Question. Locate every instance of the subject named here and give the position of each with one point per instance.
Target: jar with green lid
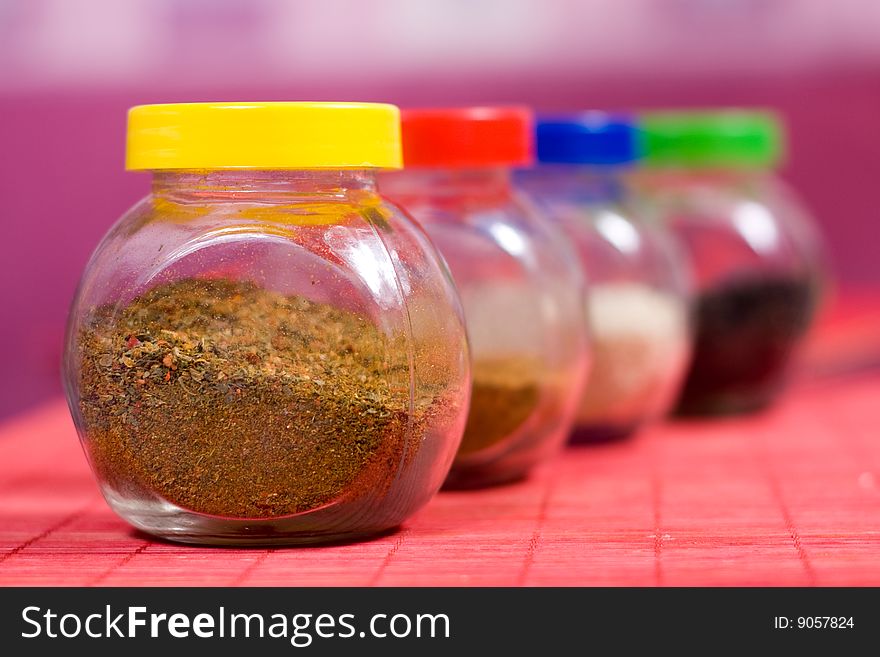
(752, 248)
(263, 350)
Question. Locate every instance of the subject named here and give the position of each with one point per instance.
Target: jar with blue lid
(636, 300)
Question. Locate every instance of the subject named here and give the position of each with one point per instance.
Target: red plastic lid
(467, 137)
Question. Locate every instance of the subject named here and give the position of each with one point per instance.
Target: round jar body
(522, 296)
(266, 357)
(637, 310)
(756, 264)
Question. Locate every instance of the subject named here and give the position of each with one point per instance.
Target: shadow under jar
(637, 310)
(754, 254)
(263, 350)
(519, 284)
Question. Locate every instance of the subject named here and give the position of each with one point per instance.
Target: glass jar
(637, 305)
(263, 350)
(520, 286)
(753, 250)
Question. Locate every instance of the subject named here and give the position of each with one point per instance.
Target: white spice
(640, 340)
(506, 318)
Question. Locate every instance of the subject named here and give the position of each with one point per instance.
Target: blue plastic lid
(595, 138)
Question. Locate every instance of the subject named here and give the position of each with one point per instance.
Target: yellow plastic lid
(263, 136)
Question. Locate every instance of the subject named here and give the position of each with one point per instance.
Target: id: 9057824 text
(813, 622)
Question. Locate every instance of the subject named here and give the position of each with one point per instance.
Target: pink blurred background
(70, 68)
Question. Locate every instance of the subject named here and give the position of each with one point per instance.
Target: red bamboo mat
(788, 497)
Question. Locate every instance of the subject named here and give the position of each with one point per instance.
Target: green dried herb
(505, 394)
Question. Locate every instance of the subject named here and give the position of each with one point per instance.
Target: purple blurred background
(70, 68)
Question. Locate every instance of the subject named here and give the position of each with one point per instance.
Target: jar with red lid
(519, 281)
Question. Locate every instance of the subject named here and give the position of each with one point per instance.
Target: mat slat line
(789, 497)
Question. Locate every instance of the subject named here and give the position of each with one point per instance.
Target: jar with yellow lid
(263, 350)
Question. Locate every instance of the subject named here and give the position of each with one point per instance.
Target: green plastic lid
(712, 139)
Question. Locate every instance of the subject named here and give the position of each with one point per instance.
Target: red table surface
(787, 497)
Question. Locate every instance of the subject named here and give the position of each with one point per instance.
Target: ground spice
(519, 416)
(640, 345)
(227, 399)
(504, 396)
(747, 330)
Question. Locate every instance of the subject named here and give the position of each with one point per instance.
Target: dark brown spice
(230, 400)
(747, 333)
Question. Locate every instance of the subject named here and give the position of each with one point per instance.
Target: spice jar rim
(711, 139)
(467, 137)
(592, 138)
(263, 135)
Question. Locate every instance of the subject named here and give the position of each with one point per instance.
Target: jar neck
(715, 176)
(582, 183)
(264, 186)
(447, 183)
